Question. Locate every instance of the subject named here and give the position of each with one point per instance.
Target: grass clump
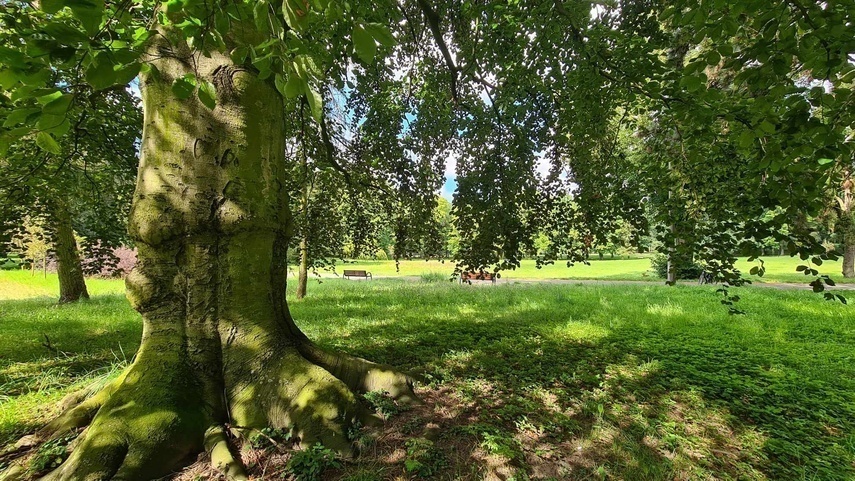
(433, 277)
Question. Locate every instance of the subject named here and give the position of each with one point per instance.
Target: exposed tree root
(150, 419)
(362, 376)
(222, 459)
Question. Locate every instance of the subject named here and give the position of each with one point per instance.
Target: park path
(606, 282)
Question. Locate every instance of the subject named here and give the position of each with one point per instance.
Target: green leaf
(64, 33)
(279, 81)
(825, 161)
(8, 78)
(54, 124)
(46, 142)
(101, 74)
(692, 83)
(58, 106)
(296, 14)
(316, 104)
(767, 127)
(364, 44)
(713, 58)
(746, 139)
(183, 87)
(261, 15)
(51, 6)
(174, 7)
(208, 94)
(127, 73)
(19, 116)
(295, 86)
(48, 98)
(90, 13)
(239, 55)
(381, 33)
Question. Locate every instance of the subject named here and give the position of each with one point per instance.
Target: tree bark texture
(849, 259)
(303, 275)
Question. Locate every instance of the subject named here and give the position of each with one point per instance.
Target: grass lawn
(532, 381)
(778, 269)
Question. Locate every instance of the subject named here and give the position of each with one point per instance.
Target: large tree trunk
(72, 285)
(219, 351)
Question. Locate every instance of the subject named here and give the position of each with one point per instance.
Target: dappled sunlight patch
(564, 382)
(581, 331)
(667, 309)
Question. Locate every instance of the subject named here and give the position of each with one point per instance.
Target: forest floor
(633, 382)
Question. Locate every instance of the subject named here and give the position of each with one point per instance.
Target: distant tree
(84, 187)
(30, 241)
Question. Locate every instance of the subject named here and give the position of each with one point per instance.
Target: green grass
(562, 381)
(778, 270)
(25, 285)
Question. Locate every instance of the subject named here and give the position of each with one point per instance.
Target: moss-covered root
(222, 458)
(78, 410)
(301, 397)
(364, 376)
(152, 421)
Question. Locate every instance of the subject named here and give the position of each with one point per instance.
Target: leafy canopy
(557, 115)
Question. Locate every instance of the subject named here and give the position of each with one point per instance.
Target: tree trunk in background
(846, 200)
(72, 285)
(303, 279)
(303, 276)
(220, 350)
(849, 259)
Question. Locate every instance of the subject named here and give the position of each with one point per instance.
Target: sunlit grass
(563, 381)
(778, 270)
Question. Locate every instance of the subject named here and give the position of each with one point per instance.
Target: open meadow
(638, 382)
(779, 269)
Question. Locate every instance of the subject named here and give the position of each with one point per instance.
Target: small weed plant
(269, 438)
(51, 454)
(308, 465)
(382, 403)
(423, 458)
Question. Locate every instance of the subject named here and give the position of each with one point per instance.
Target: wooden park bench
(357, 274)
(468, 277)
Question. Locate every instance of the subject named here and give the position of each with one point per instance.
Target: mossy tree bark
(220, 352)
(72, 285)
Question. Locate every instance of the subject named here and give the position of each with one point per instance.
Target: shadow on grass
(562, 382)
(47, 348)
(641, 383)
